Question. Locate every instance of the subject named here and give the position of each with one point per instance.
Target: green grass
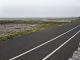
(43, 26)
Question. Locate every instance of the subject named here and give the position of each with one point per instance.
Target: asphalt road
(51, 44)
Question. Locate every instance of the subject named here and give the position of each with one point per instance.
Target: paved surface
(76, 54)
(51, 44)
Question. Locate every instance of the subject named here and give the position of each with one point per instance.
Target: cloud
(29, 8)
(40, 2)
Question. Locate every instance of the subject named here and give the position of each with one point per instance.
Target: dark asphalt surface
(14, 47)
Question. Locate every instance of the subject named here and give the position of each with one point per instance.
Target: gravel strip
(76, 54)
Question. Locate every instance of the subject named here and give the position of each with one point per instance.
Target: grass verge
(42, 26)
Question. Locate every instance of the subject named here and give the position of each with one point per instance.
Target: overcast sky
(39, 8)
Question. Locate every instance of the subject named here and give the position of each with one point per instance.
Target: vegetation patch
(32, 27)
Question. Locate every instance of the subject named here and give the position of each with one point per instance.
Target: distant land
(41, 18)
(44, 19)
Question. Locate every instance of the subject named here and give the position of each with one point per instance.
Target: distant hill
(42, 19)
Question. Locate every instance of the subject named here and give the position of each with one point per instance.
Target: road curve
(39, 45)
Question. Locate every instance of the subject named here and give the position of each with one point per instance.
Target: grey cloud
(62, 8)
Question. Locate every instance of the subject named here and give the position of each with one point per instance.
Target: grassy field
(13, 29)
